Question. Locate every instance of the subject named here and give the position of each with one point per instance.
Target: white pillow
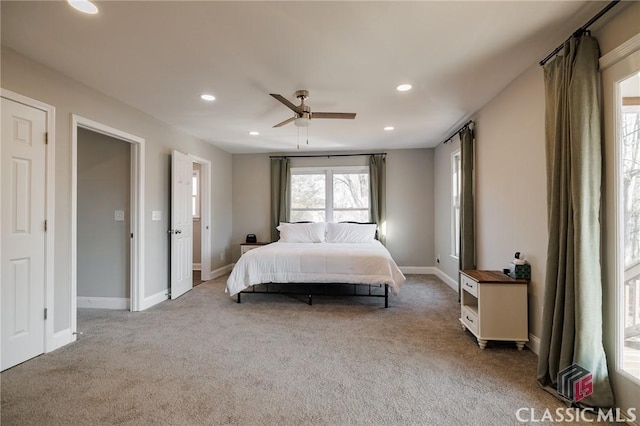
(301, 232)
(351, 232)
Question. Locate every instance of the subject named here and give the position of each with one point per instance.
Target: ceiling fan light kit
(303, 121)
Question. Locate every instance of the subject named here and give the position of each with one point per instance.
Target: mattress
(363, 263)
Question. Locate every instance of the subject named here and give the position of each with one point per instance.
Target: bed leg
(310, 299)
(386, 295)
(238, 297)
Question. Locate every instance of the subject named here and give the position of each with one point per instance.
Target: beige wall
(410, 205)
(511, 207)
(511, 202)
(21, 75)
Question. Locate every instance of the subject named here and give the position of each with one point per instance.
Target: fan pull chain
(307, 135)
(298, 137)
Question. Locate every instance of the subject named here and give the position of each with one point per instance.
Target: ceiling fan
(303, 114)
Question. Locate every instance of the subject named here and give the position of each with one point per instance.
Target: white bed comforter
(366, 263)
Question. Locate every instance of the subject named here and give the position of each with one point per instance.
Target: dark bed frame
(310, 290)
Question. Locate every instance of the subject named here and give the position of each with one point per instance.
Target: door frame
(136, 215)
(205, 216)
(624, 385)
(51, 340)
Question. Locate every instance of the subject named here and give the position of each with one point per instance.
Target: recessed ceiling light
(84, 6)
(403, 87)
(389, 128)
(207, 97)
(252, 133)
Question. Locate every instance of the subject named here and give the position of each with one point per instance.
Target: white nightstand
(245, 247)
(493, 306)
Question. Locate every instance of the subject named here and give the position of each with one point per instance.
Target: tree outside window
(330, 194)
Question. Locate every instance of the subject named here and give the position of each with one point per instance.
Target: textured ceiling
(160, 56)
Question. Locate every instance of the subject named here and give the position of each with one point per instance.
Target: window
(195, 195)
(629, 208)
(456, 183)
(333, 194)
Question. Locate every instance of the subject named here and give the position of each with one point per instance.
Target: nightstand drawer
(469, 285)
(470, 319)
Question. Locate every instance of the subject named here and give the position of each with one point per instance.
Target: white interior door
(23, 155)
(621, 89)
(181, 224)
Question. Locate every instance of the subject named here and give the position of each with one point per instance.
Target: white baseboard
(103, 302)
(150, 301)
(417, 270)
(430, 270)
(221, 271)
(197, 267)
(60, 339)
(534, 344)
(447, 279)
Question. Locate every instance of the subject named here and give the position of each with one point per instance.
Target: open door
(181, 224)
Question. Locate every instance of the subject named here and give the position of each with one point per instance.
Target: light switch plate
(156, 215)
(119, 215)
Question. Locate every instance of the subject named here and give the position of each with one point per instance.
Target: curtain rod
(580, 31)
(467, 124)
(326, 155)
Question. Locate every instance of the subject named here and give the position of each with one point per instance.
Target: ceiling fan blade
(287, 121)
(286, 102)
(344, 115)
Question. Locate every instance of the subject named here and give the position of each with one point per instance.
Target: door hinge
(132, 235)
(46, 138)
(45, 226)
(45, 313)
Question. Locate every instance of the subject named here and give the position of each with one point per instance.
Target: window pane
(194, 207)
(455, 200)
(194, 180)
(308, 191)
(313, 216)
(350, 190)
(631, 183)
(351, 215)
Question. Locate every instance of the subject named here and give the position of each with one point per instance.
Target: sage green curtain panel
(378, 192)
(572, 312)
(467, 255)
(280, 193)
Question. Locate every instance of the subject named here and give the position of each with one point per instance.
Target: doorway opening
(201, 211)
(134, 216)
(103, 221)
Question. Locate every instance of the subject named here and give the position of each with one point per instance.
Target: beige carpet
(203, 359)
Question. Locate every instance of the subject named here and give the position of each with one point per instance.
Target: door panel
(23, 157)
(181, 224)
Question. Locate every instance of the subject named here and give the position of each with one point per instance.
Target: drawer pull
(469, 319)
(468, 285)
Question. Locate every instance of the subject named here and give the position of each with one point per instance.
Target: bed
(314, 259)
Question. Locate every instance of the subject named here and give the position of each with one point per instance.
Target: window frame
(328, 172)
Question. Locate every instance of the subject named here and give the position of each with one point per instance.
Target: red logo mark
(583, 387)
